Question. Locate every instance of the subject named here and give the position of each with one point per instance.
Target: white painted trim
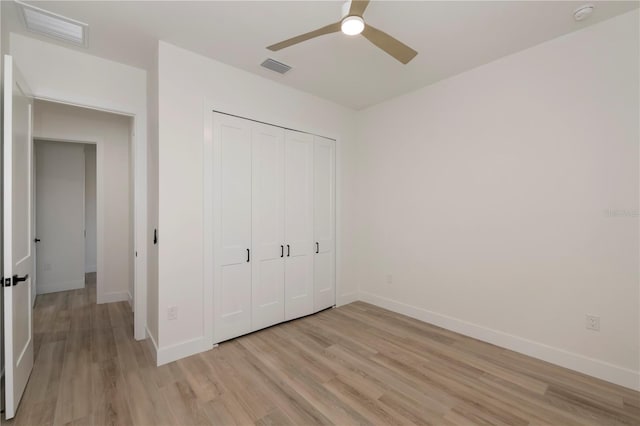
(182, 350)
(63, 286)
(573, 361)
(249, 112)
(345, 299)
(153, 345)
(130, 300)
(139, 142)
(208, 314)
(115, 296)
(34, 209)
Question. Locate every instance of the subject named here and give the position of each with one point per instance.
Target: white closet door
(298, 224)
(324, 214)
(232, 226)
(268, 225)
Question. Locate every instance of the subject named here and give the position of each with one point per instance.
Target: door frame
(249, 112)
(138, 149)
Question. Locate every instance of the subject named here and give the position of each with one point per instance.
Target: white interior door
(268, 225)
(298, 224)
(324, 214)
(232, 227)
(60, 219)
(18, 238)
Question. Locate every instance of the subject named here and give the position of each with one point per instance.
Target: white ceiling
(451, 37)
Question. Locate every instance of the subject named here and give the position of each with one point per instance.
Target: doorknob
(281, 251)
(288, 250)
(37, 240)
(317, 247)
(17, 280)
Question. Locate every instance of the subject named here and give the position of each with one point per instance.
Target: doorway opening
(84, 203)
(65, 215)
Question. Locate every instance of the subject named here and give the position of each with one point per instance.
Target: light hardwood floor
(357, 364)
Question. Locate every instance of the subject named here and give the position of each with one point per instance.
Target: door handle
(317, 247)
(17, 280)
(248, 255)
(288, 250)
(281, 251)
(37, 240)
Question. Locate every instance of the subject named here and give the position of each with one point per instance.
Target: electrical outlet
(172, 313)
(389, 279)
(593, 323)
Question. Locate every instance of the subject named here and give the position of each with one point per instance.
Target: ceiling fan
(352, 23)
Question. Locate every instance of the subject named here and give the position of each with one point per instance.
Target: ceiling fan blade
(331, 28)
(393, 47)
(358, 7)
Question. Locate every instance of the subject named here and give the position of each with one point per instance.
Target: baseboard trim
(152, 344)
(182, 350)
(116, 296)
(130, 300)
(347, 298)
(2, 391)
(56, 287)
(592, 367)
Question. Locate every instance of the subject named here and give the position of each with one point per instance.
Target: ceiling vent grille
(273, 65)
(51, 24)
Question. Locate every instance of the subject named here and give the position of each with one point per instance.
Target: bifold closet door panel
(324, 213)
(298, 166)
(232, 227)
(268, 225)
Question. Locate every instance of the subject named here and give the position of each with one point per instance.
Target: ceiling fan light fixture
(352, 25)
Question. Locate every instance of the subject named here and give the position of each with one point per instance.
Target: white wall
(187, 83)
(60, 210)
(111, 133)
(488, 198)
(66, 75)
(90, 208)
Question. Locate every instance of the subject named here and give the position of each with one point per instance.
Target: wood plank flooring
(357, 364)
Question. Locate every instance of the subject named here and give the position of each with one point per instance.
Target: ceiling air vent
(273, 65)
(51, 24)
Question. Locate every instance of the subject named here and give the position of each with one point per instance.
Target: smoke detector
(583, 12)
